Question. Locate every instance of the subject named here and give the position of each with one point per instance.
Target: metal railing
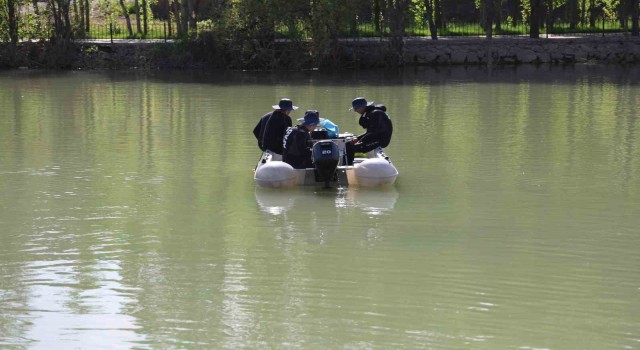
(165, 31)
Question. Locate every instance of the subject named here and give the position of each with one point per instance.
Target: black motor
(325, 157)
(319, 135)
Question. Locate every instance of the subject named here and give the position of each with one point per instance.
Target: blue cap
(311, 118)
(360, 102)
(285, 105)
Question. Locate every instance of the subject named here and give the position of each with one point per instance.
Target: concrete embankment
(612, 49)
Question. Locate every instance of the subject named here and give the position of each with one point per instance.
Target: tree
(396, 10)
(127, 19)
(635, 31)
(429, 15)
(13, 20)
(327, 19)
(593, 13)
(377, 14)
(626, 9)
(87, 15)
(175, 13)
(145, 17)
(514, 12)
(487, 10)
(573, 13)
(549, 7)
(497, 14)
(136, 5)
(535, 18)
(438, 15)
(61, 19)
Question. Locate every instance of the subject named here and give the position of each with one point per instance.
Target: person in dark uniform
(377, 123)
(297, 142)
(271, 128)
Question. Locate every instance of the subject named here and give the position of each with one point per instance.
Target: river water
(129, 217)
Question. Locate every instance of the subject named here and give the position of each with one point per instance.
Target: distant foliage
(257, 23)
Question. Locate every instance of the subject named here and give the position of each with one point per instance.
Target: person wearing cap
(271, 128)
(297, 141)
(331, 129)
(377, 123)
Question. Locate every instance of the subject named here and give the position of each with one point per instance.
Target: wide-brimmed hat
(311, 117)
(360, 102)
(285, 105)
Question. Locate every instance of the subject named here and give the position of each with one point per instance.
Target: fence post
(603, 25)
(164, 26)
(111, 32)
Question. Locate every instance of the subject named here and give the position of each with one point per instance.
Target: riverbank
(205, 54)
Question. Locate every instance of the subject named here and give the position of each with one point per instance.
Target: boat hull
(371, 170)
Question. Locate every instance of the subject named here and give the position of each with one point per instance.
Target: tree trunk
(185, 16)
(54, 14)
(376, 16)
(432, 25)
(487, 18)
(635, 31)
(395, 12)
(536, 11)
(549, 19)
(572, 13)
(138, 25)
(592, 14)
(60, 13)
(126, 17)
(176, 16)
(87, 16)
(497, 15)
(13, 21)
(438, 16)
(76, 14)
(515, 13)
(67, 18)
(145, 18)
(191, 15)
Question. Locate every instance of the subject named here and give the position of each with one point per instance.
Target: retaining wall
(613, 49)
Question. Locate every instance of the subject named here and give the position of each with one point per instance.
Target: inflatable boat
(330, 167)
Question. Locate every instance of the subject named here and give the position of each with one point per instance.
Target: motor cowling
(325, 156)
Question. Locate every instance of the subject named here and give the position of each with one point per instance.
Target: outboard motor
(325, 155)
(319, 135)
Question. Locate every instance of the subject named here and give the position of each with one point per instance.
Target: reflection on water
(129, 217)
(376, 201)
(319, 216)
(370, 201)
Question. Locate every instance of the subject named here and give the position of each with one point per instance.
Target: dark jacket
(378, 125)
(297, 147)
(270, 130)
